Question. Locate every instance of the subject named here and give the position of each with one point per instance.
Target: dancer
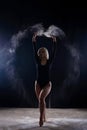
(43, 84)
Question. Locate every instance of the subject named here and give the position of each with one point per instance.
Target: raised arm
(34, 46)
(53, 49)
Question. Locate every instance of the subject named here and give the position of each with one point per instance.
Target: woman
(42, 84)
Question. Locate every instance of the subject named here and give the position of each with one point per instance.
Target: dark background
(69, 16)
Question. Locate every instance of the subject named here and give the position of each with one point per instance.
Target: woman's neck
(43, 61)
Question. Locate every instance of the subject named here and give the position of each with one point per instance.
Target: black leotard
(43, 70)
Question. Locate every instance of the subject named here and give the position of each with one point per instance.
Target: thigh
(46, 90)
(37, 89)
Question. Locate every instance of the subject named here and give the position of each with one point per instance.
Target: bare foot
(41, 123)
(44, 119)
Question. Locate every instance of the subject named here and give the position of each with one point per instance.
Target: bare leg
(37, 90)
(44, 113)
(43, 94)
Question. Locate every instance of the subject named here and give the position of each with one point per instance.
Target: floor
(57, 119)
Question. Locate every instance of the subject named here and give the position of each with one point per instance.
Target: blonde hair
(45, 49)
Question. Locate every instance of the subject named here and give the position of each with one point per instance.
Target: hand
(54, 38)
(34, 37)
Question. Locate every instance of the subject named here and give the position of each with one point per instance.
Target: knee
(41, 99)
